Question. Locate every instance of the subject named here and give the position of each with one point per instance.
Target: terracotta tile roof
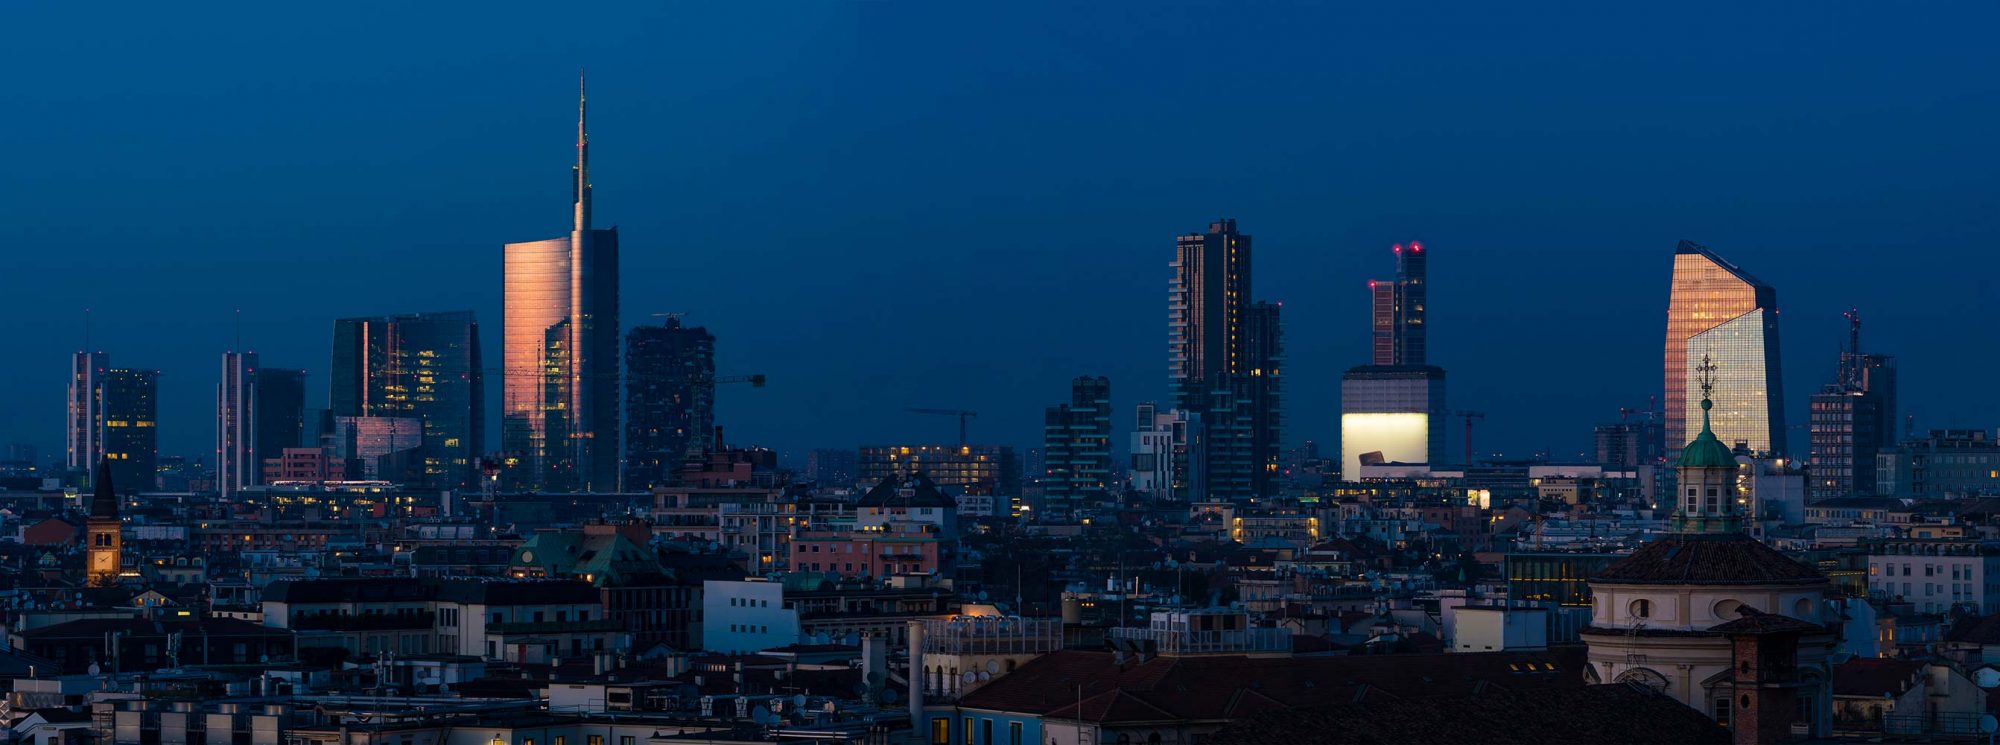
(1592, 714)
(1219, 688)
(1875, 677)
(1981, 630)
(1708, 559)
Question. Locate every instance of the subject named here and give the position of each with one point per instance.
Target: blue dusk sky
(884, 204)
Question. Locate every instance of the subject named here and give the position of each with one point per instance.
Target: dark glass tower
(130, 404)
(422, 366)
(669, 399)
(1076, 439)
(1399, 309)
(559, 416)
(258, 413)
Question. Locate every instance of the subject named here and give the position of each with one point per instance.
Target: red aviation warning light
(1416, 248)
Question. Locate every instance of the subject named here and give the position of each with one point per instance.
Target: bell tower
(104, 531)
(1707, 476)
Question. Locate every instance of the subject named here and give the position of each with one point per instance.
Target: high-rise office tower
(1224, 359)
(421, 366)
(85, 440)
(669, 399)
(1264, 337)
(258, 413)
(1076, 446)
(1718, 311)
(559, 416)
(1392, 411)
(130, 406)
(1399, 309)
(236, 464)
(1852, 420)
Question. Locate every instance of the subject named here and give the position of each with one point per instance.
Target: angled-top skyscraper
(559, 414)
(1717, 310)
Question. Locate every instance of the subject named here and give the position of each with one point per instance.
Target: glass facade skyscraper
(130, 402)
(1398, 309)
(1709, 294)
(1749, 402)
(559, 415)
(669, 400)
(421, 366)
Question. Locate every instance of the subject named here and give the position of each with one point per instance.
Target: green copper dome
(1706, 451)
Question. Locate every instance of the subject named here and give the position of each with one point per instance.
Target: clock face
(527, 556)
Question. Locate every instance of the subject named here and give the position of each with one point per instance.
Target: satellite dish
(993, 666)
(985, 676)
(967, 677)
(1988, 724)
(798, 701)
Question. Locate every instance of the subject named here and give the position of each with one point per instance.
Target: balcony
(366, 622)
(555, 627)
(1174, 643)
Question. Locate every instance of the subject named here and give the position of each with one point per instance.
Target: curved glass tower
(559, 415)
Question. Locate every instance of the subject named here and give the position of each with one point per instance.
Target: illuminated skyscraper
(559, 416)
(421, 366)
(1719, 311)
(669, 400)
(1392, 411)
(1224, 362)
(1399, 308)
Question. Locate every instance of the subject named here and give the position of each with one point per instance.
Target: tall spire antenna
(582, 200)
(239, 329)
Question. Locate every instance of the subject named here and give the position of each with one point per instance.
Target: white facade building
(742, 617)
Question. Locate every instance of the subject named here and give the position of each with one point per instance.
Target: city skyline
(1613, 260)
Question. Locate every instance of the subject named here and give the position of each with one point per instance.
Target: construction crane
(1469, 416)
(961, 414)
